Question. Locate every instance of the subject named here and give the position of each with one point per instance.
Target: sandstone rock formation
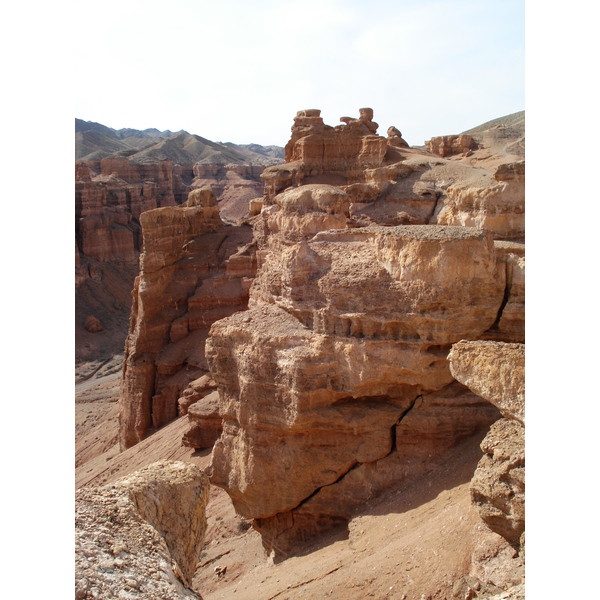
(496, 372)
(498, 207)
(119, 175)
(345, 332)
(395, 138)
(93, 325)
(335, 383)
(205, 423)
(196, 390)
(447, 145)
(498, 485)
(319, 153)
(194, 270)
(142, 535)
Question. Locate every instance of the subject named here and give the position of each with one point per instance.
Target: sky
(238, 71)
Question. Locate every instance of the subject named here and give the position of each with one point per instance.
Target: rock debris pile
(141, 537)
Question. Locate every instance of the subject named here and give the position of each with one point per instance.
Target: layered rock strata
(111, 194)
(448, 145)
(141, 535)
(205, 423)
(389, 183)
(319, 153)
(496, 372)
(194, 270)
(498, 206)
(345, 337)
(335, 383)
(108, 206)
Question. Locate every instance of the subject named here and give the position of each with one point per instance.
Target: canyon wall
(326, 320)
(194, 270)
(110, 195)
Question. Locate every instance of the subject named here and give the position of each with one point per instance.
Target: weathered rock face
(108, 206)
(335, 383)
(344, 333)
(196, 390)
(144, 533)
(429, 427)
(447, 145)
(496, 371)
(319, 153)
(194, 271)
(205, 422)
(510, 324)
(498, 207)
(110, 196)
(417, 282)
(498, 485)
(395, 138)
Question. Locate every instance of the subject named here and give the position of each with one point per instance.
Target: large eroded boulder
(495, 371)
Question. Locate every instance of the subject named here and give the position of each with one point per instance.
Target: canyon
(342, 353)
(118, 176)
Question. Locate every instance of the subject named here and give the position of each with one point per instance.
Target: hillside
(94, 141)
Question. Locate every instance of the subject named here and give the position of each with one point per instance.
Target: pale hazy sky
(238, 70)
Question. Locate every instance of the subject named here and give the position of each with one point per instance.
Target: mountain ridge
(94, 141)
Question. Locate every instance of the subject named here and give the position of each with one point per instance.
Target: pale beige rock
(498, 485)
(203, 196)
(306, 210)
(495, 371)
(447, 145)
(511, 327)
(144, 533)
(417, 284)
(499, 207)
(496, 562)
(255, 206)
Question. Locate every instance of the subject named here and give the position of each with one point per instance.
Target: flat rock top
(495, 371)
(416, 232)
(265, 320)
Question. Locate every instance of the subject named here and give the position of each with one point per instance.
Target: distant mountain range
(94, 141)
